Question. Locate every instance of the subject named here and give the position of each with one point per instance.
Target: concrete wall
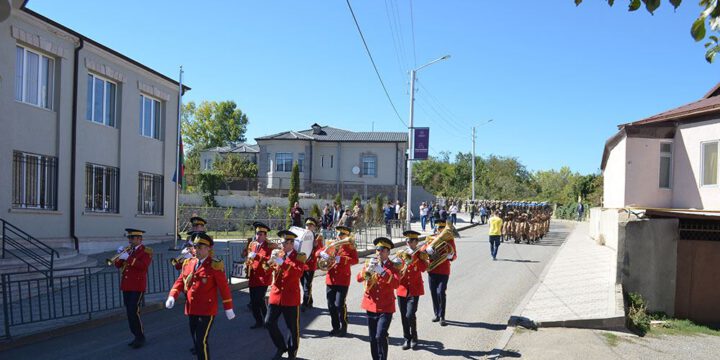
(687, 189)
(647, 261)
(604, 223)
(642, 174)
(614, 177)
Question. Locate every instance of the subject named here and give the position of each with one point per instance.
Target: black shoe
(436, 319)
(442, 322)
(303, 308)
(342, 333)
(407, 345)
(292, 356)
(138, 343)
(413, 343)
(131, 342)
(333, 332)
(279, 354)
(257, 326)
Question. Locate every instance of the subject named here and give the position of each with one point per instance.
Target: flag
(181, 166)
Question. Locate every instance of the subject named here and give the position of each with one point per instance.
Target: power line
(412, 29)
(373, 63)
(451, 116)
(398, 54)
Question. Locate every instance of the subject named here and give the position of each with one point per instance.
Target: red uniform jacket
(411, 284)
(134, 269)
(312, 258)
(444, 267)
(258, 275)
(381, 297)
(339, 273)
(285, 290)
(201, 287)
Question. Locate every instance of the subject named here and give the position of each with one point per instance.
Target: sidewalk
(578, 288)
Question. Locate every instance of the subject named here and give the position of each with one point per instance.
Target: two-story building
(334, 161)
(245, 151)
(88, 140)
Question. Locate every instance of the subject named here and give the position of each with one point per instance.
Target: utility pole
(472, 161)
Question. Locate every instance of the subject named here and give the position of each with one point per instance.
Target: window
(34, 181)
(34, 78)
(150, 194)
(283, 162)
(207, 165)
(322, 160)
(331, 161)
(102, 187)
(665, 164)
(710, 163)
(149, 117)
(301, 161)
(100, 100)
(369, 165)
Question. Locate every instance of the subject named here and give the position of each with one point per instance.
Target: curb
(119, 314)
(515, 318)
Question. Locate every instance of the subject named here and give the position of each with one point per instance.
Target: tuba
(111, 260)
(441, 246)
(409, 254)
(331, 249)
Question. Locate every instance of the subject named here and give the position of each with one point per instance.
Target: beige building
(88, 142)
(245, 151)
(334, 161)
(669, 160)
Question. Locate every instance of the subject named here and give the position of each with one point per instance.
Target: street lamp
(472, 161)
(411, 142)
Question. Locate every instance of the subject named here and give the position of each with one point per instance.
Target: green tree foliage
(315, 212)
(209, 183)
(379, 205)
(356, 199)
(293, 195)
(369, 214)
(338, 199)
(709, 17)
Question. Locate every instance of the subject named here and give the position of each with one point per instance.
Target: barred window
(150, 194)
(102, 188)
(34, 181)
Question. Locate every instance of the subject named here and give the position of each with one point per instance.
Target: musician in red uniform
(411, 288)
(200, 280)
(133, 263)
(381, 278)
(288, 267)
(187, 252)
(307, 279)
(438, 278)
(338, 281)
(260, 274)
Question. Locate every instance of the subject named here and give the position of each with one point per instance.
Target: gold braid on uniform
(218, 264)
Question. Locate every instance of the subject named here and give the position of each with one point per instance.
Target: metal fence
(32, 297)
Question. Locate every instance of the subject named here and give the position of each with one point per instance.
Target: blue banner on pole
(422, 142)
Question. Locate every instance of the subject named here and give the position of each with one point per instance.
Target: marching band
(287, 269)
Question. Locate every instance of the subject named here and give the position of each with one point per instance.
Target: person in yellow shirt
(495, 232)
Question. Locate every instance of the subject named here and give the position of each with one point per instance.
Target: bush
(638, 318)
(315, 211)
(209, 182)
(355, 200)
(369, 214)
(338, 199)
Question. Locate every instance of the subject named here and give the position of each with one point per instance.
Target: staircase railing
(31, 251)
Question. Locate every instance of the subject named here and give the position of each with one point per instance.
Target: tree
(315, 211)
(710, 15)
(235, 166)
(209, 182)
(338, 199)
(212, 124)
(355, 199)
(293, 195)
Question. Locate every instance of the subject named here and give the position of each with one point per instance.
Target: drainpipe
(73, 144)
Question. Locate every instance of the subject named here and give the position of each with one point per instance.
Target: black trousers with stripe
(199, 330)
(306, 281)
(292, 320)
(408, 307)
(336, 295)
(257, 303)
(132, 301)
(378, 325)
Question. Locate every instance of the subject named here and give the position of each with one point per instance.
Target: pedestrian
(397, 209)
(580, 211)
(494, 233)
(381, 278)
(411, 288)
(284, 299)
(443, 214)
(483, 214)
(389, 214)
(133, 262)
(311, 265)
(260, 274)
(434, 212)
(423, 215)
(200, 280)
(296, 213)
(453, 213)
(473, 211)
(439, 276)
(337, 281)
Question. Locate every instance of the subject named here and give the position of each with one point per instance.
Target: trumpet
(370, 275)
(180, 258)
(275, 254)
(331, 249)
(111, 260)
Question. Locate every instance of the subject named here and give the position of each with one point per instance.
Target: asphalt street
(481, 295)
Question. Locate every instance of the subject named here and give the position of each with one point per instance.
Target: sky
(556, 79)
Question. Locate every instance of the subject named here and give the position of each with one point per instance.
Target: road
(481, 295)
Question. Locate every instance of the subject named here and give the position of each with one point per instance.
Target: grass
(683, 327)
(231, 234)
(611, 339)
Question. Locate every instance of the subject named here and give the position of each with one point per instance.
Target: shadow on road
(438, 349)
(477, 325)
(519, 261)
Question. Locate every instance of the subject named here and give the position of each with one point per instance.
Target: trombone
(111, 260)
